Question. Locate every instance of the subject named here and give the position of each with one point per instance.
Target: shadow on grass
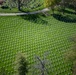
(36, 18)
(65, 18)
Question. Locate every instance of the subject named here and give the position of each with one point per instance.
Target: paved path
(14, 14)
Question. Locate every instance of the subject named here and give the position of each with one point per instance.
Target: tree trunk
(19, 5)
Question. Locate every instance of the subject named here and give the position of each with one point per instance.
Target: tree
(19, 5)
(51, 3)
(42, 65)
(71, 56)
(21, 64)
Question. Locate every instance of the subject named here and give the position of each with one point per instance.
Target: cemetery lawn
(34, 36)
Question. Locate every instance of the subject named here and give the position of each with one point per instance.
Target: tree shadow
(65, 18)
(36, 18)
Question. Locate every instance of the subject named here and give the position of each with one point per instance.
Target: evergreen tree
(21, 64)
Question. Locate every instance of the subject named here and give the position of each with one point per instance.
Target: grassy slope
(34, 37)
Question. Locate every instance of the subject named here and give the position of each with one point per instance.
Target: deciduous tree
(51, 3)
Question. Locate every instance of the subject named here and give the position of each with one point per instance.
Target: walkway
(14, 14)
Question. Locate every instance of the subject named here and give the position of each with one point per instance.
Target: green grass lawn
(14, 10)
(34, 36)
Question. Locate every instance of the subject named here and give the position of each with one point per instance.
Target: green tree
(47, 3)
(51, 3)
(71, 56)
(22, 3)
(21, 64)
